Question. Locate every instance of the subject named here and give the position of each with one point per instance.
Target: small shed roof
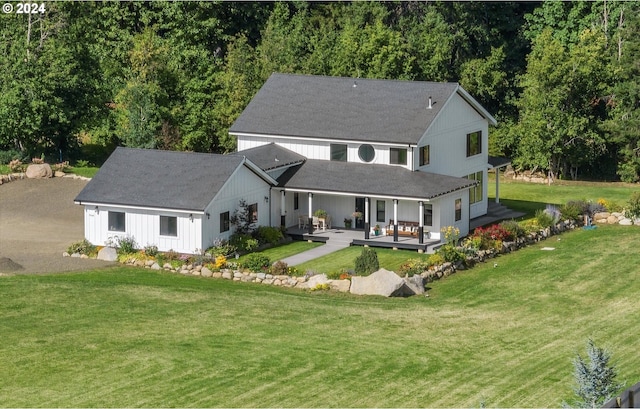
(371, 110)
(370, 180)
(160, 179)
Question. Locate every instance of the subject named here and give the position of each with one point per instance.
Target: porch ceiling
(356, 179)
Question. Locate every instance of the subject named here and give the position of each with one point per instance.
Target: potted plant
(347, 223)
(320, 214)
(376, 230)
(357, 215)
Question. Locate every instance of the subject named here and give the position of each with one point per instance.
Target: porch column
(395, 219)
(310, 220)
(283, 210)
(421, 222)
(497, 185)
(366, 218)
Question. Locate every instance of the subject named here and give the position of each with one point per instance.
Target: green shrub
(514, 229)
(82, 247)
(633, 206)
(256, 262)
(151, 250)
(450, 254)
(82, 163)
(367, 262)
(543, 218)
(268, 234)
(572, 211)
(8, 156)
(221, 247)
(412, 267)
(436, 259)
(123, 244)
(243, 242)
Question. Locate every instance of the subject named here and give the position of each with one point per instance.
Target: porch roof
(271, 156)
(356, 179)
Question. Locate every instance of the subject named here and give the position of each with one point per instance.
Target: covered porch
(355, 237)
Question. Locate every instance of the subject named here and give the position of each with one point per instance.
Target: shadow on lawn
(529, 208)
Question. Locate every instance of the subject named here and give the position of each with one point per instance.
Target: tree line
(560, 77)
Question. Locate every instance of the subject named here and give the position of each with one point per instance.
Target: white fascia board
(155, 209)
(308, 138)
(332, 193)
(261, 173)
(476, 105)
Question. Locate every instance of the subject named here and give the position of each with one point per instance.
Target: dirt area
(38, 221)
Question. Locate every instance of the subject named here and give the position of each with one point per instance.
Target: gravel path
(38, 221)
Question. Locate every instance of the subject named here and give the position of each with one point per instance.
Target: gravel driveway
(38, 221)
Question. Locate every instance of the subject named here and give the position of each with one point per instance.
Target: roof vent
(430, 105)
(355, 84)
(277, 160)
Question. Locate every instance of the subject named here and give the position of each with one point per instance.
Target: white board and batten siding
(321, 149)
(447, 140)
(242, 184)
(144, 226)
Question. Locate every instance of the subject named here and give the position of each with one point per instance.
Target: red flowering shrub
(489, 235)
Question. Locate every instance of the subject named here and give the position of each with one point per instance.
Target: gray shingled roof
(333, 108)
(159, 179)
(271, 156)
(370, 180)
(498, 161)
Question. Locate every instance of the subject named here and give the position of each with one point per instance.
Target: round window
(366, 153)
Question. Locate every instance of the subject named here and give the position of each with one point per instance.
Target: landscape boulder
(316, 280)
(413, 285)
(39, 171)
(382, 282)
(108, 254)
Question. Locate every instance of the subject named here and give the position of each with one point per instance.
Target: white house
(411, 156)
(395, 150)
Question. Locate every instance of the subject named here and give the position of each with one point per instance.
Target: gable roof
(162, 179)
(367, 179)
(339, 108)
(271, 156)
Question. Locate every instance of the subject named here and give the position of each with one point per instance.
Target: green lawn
(528, 197)
(502, 335)
(345, 260)
(284, 251)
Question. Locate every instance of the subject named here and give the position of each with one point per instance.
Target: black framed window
(380, 211)
(338, 152)
(427, 216)
(474, 143)
(397, 156)
(458, 210)
(424, 155)
(296, 201)
(224, 222)
(169, 226)
(366, 153)
(117, 221)
(253, 211)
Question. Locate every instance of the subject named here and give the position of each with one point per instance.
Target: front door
(360, 208)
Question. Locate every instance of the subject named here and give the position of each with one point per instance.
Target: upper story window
(474, 143)
(117, 221)
(397, 156)
(168, 226)
(339, 152)
(424, 155)
(366, 153)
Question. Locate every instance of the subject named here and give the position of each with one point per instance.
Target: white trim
(328, 192)
(475, 105)
(155, 209)
(308, 138)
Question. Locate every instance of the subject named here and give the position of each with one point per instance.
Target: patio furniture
(405, 228)
(319, 223)
(302, 221)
